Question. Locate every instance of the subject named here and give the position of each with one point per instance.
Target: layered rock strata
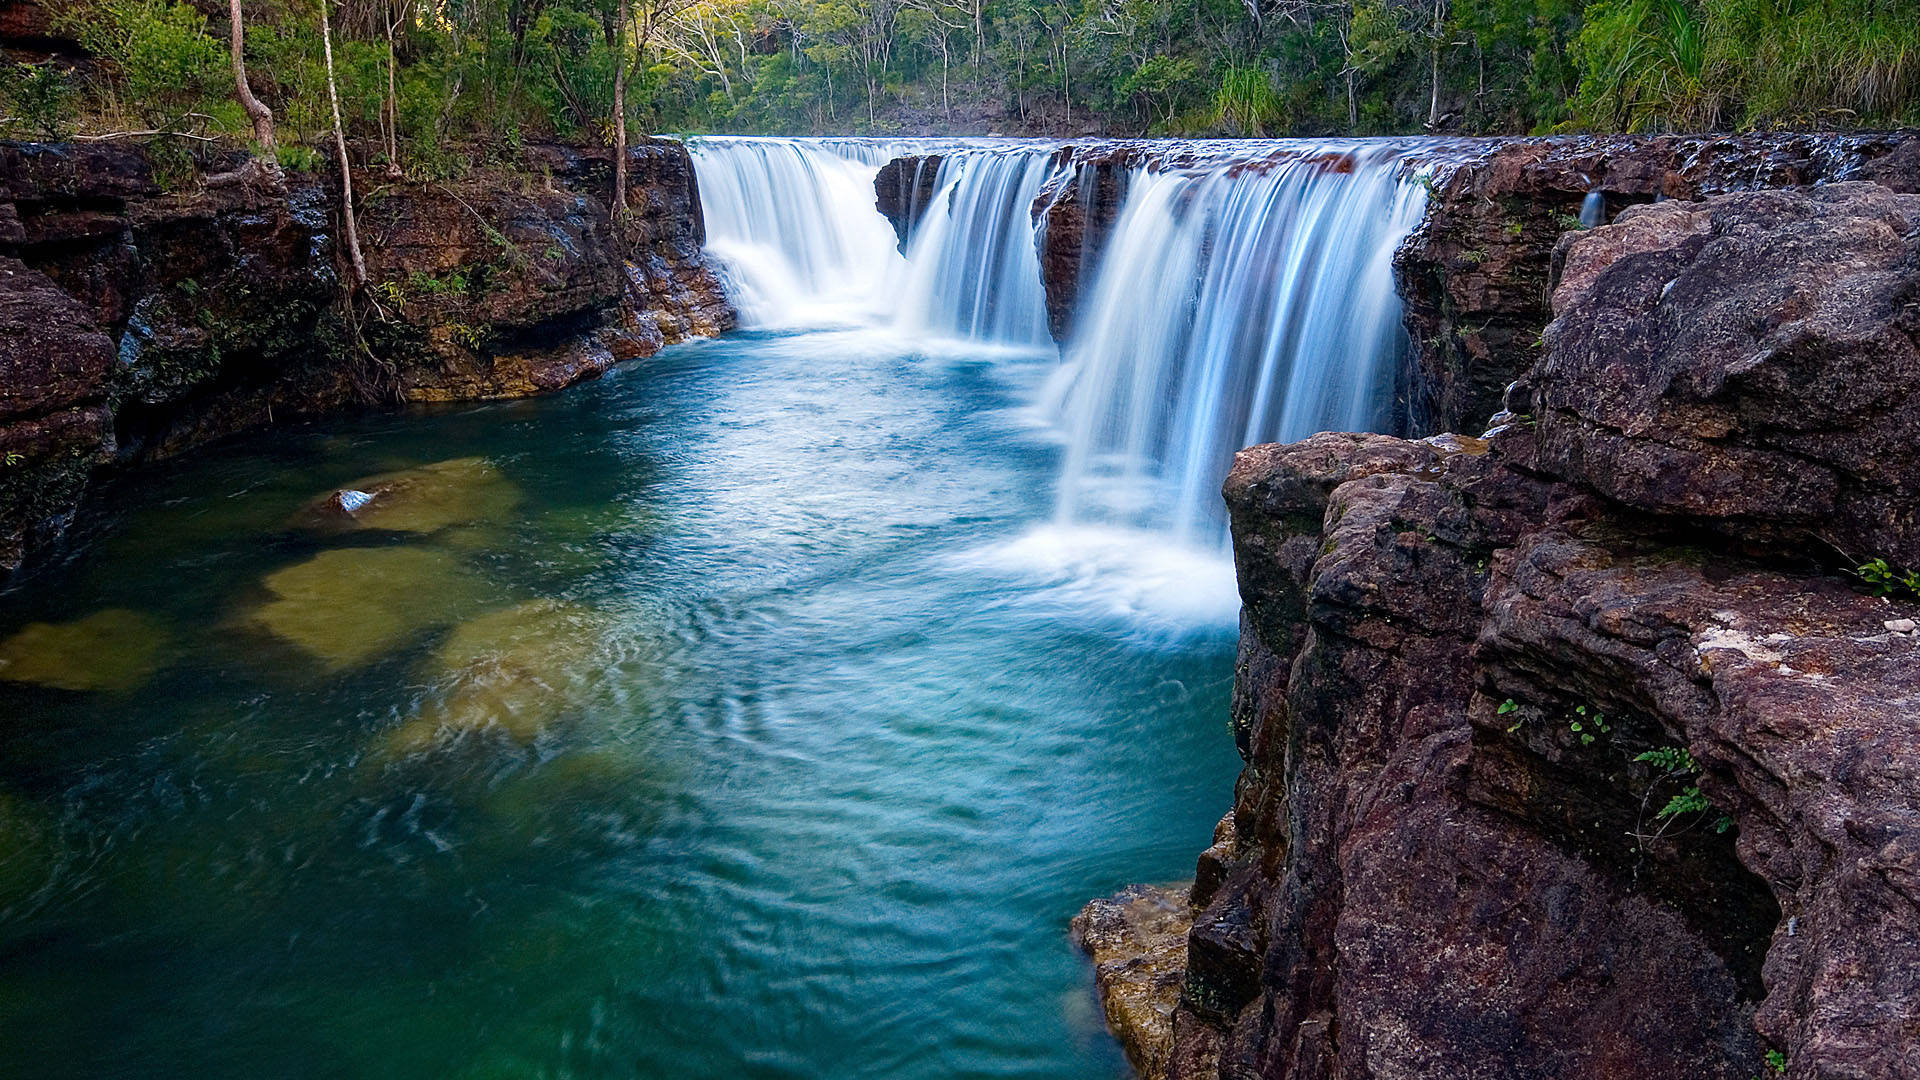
(1575, 750)
(151, 300)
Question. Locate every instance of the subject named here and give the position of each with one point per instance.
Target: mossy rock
(513, 671)
(346, 606)
(427, 499)
(111, 650)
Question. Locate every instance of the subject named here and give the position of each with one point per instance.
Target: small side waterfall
(793, 223)
(1232, 307)
(974, 271)
(1245, 293)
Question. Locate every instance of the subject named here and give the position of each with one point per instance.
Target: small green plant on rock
(1885, 580)
(1776, 1066)
(1588, 724)
(1676, 765)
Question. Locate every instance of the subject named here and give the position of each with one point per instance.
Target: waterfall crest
(1244, 294)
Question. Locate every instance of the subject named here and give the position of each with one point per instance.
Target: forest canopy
(416, 76)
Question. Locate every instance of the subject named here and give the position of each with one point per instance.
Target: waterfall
(793, 225)
(1245, 293)
(1233, 306)
(973, 270)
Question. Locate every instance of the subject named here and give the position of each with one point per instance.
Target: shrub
(38, 99)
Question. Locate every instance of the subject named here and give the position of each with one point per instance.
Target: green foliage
(471, 80)
(1246, 104)
(38, 100)
(1885, 580)
(294, 157)
(1672, 759)
(1588, 724)
(167, 58)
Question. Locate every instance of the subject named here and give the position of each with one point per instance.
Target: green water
(737, 715)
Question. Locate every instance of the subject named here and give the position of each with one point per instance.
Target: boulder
(1748, 363)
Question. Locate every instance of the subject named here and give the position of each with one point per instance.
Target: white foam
(1104, 574)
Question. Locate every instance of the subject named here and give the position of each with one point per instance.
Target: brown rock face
(1552, 777)
(1474, 276)
(1750, 362)
(1076, 212)
(140, 318)
(902, 190)
(1138, 942)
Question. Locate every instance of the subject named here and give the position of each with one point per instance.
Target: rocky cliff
(152, 299)
(1578, 749)
(1473, 277)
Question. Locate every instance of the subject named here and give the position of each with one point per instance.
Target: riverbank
(155, 300)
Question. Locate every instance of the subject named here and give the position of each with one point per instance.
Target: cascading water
(1233, 306)
(974, 271)
(793, 223)
(1244, 295)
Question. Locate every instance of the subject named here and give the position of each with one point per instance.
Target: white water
(1232, 307)
(1244, 296)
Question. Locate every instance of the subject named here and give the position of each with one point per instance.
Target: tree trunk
(256, 110)
(620, 109)
(340, 147)
(395, 17)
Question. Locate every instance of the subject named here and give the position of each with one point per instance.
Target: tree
(340, 147)
(257, 111)
(654, 15)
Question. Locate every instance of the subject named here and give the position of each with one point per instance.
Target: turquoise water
(737, 715)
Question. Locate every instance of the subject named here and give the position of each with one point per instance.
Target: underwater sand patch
(115, 649)
(514, 671)
(426, 499)
(347, 605)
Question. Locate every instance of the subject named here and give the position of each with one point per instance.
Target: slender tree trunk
(620, 109)
(1439, 25)
(395, 17)
(256, 110)
(340, 147)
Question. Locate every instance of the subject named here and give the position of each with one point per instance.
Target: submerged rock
(114, 649)
(347, 606)
(513, 671)
(426, 499)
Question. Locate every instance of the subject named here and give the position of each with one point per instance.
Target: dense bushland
(416, 76)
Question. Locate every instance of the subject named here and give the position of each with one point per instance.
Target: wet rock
(347, 606)
(1137, 940)
(426, 499)
(1474, 276)
(903, 188)
(513, 672)
(1076, 212)
(111, 650)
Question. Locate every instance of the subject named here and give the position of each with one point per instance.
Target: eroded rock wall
(1474, 276)
(151, 300)
(1574, 750)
